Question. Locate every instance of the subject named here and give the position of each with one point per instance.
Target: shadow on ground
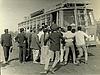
(13, 60)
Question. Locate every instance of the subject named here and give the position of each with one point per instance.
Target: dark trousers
(22, 53)
(6, 52)
(29, 55)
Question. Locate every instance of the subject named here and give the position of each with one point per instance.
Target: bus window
(54, 16)
(48, 19)
(80, 17)
(90, 17)
(68, 17)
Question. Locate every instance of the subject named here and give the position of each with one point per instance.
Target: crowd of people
(50, 44)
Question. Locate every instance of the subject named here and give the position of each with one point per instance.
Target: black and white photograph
(49, 37)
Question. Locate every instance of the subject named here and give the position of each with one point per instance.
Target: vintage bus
(65, 14)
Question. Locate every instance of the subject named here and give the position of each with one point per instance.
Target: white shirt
(80, 37)
(69, 36)
(40, 33)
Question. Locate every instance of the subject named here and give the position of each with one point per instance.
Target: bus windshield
(83, 19)
(68, 17)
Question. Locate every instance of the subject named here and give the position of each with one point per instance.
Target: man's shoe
(20, 61)
(6, 62)
(45, 72)
(77, 63)
(61, 63)
(35, 62)
(86, 62)
(24, 62)
(52, 71)
(3, 65)
(65, 63)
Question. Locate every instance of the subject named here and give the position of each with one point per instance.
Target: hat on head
(54, 27)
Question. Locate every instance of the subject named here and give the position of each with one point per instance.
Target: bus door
(91, 28)
(54, 17)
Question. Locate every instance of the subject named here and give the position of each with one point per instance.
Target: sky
(13, 11)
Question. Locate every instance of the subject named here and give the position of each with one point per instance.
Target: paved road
(92, 68)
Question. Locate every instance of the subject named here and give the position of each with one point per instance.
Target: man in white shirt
(80, 43)
(69, 43)
(40, 33)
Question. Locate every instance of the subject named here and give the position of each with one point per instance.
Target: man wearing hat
(6, 42)
(22, 40)
(54, 39)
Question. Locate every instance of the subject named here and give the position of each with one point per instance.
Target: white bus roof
(59, 6)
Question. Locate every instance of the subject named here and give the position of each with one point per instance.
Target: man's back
(34, 41)
(55, 36)
(69, 36)
(79, 36)
(55, 41)
(6, 40)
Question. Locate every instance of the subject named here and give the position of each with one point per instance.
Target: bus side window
(91, 18)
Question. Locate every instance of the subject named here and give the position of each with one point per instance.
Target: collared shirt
(80, 37)
(68, 36)
(21, 39)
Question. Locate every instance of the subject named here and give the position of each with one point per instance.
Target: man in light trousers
(69, 43)
(80, 43)
(54, 38)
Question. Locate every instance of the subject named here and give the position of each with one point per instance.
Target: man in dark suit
(22, 40)
(6, 42)
(54, 39)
